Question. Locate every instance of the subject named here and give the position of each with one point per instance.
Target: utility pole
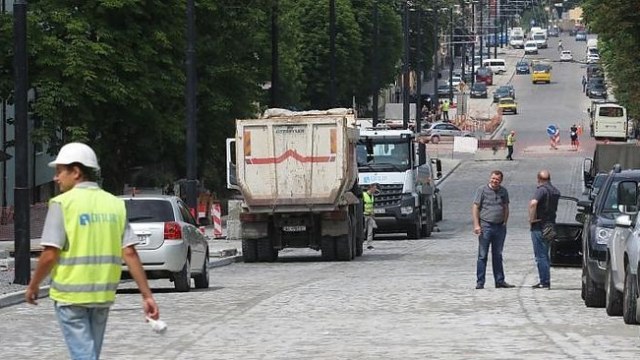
(436, 66)
(275, 66)
(190, 95)
(22, 237)
(405, 69)
(332, 53)
(418, 126)
(451, 54)
(481, 31)
(376, 63)
(473, 43)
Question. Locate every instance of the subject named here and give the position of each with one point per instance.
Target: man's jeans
(541, 252)
(492, 235)
(370, 225)
(83, 329)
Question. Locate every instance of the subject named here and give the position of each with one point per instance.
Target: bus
(609, 121)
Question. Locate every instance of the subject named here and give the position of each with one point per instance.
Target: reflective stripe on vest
(368, 203)
(88, 269)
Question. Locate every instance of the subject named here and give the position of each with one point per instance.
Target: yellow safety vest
(510, 140)
(445, 106)
(368, 203)
(89, 267)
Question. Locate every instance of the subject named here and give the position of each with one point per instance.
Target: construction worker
(511, 139)
(369, 213)
(86, 237)
(445, 110)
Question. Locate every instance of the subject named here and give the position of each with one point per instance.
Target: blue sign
(551, 130)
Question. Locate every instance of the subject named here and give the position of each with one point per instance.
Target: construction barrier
(216, 218)
(202, 211)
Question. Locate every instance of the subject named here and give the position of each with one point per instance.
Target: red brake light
(172, 231)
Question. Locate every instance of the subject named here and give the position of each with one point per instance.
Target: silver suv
(623, 257)
(440, 130)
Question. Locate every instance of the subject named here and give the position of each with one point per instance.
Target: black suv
(599, 223)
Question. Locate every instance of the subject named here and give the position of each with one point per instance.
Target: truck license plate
(378, 211)
(297, 228)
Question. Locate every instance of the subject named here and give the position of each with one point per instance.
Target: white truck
(408, 200)
(297, 174)
(516, 38)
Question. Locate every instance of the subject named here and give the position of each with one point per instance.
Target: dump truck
(297, 176)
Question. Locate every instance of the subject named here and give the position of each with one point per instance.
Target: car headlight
(603, 235)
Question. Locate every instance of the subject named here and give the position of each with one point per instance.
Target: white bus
(609, 121)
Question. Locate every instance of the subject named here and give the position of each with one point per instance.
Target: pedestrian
(584, 83)
(573, 133)
(445, 111)
(542, 210)
(511, 139)
(86, 237)
(490, 213)
(369, 213)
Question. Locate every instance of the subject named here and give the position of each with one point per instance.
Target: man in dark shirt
(490, 212)
(542, 209)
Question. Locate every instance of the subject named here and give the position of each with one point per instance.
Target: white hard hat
(76, 153)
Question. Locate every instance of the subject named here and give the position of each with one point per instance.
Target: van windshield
(538, 37)
(609, 111)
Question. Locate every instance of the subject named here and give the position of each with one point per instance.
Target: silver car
(440, 130)
(170, 244)
(623, 261)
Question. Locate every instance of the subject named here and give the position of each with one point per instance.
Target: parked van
(485, 75)
(498, 66)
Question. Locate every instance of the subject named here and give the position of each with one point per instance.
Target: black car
(599, 223)
(566, 247)
(597, 91)
(500, 93)
(444, 90)
(522, 67)
(479, 90)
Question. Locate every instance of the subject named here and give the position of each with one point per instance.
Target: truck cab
(408, 199)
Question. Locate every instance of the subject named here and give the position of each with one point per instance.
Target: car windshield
(502, 91)
(540, 68)
(149, 210)
(522, 63)
(479, 86)
(506, 102)
(611, 201)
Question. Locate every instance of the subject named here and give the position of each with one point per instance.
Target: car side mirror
(624, 221)
(580, 217)
(584, 206)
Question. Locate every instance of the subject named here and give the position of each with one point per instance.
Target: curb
(17, 297)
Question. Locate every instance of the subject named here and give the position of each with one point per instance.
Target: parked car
(508, 105)
(170, 243)
(512, 90)
(553, 32)
(593, 59)
(623, 257)
(566, 55)
(593, 188)
(479, 90)
(444, 90)
(581, 36)
(599, 223)
(485, 75)
(530, 48)
(522, 67)
(440, 130)
(500, 93)
(597, 91)
(455, 81)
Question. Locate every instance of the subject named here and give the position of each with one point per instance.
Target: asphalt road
(407, 299)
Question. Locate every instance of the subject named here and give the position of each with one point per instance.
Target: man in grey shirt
(490, 213)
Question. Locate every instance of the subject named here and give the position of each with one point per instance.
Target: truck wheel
(265, 250)
(328, 248)
(182, 279)
(413, 232)
(343, 248)
(593, 296)
(427, 225)
(613, 298)
(629, 297)
(249, 250)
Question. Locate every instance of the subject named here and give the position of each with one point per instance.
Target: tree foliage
(617, 23)
(112, 73)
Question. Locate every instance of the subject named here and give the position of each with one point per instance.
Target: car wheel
(435, 139)
(613, 298)
(201, 280)
(515, 112)
(249, 250)
(593, 295)
(629, 297)
(427, 225)
(182, 279)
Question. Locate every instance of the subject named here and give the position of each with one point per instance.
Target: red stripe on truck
(290, 154)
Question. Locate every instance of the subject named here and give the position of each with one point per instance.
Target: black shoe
(370, 247)
(479, 286)
(541, 286)
(504, 285)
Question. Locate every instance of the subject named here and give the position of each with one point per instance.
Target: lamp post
(451, 54)
(481, 30)
(332, 53)
(418, 126)
(376, 62)
(436, 70)
(405, 68)
(22, 237)
(473, 43)
(190, 95)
